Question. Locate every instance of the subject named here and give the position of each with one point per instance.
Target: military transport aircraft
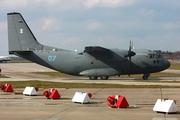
(4, 58)
(94, 61)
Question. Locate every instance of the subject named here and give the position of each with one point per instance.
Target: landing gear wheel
(145, 77)
(93, 77)
(104, 77)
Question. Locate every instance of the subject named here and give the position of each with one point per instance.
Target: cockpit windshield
(155, 56)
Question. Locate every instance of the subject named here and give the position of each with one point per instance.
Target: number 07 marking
(51, 58)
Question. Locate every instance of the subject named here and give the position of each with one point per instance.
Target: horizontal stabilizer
(20, 52)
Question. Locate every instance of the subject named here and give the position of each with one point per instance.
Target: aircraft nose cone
(167, 64)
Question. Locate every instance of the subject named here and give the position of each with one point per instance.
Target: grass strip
(45, 84)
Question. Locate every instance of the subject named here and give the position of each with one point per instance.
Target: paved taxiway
(20, 107)
(21, 72)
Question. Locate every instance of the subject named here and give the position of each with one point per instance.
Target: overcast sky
(74, 24)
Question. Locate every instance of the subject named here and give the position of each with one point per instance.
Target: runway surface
(141, 101)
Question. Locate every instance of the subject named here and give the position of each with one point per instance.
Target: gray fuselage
(114, 62)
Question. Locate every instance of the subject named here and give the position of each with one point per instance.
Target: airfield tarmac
(141, 101)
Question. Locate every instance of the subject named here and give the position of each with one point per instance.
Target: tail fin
(20, 37)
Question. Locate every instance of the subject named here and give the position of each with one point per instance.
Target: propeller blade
(130, 46)
(130, 54)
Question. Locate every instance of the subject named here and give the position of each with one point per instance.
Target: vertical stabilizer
(20, 37)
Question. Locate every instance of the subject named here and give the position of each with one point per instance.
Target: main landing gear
(93, 77)
(104, 77)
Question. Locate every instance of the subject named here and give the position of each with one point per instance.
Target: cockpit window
(150, 56)
(155, 56)
(159, 56)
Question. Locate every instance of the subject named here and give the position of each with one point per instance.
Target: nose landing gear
(145, 76)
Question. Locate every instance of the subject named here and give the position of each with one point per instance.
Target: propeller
(130, 54)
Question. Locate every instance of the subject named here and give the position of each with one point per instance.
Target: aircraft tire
(93, 77)
(145, 77)
(104, 77)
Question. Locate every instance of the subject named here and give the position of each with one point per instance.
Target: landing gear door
(77, 64)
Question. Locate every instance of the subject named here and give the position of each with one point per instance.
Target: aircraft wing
(91, 49)
(98, 52)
